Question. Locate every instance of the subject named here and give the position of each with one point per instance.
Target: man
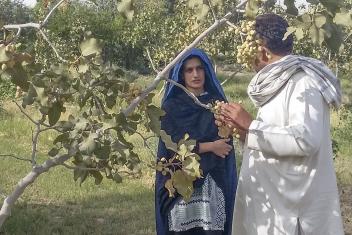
(287, 183)
(210, 209)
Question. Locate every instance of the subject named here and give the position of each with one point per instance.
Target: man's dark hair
(272, 28)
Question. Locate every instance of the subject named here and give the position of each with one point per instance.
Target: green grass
(55, 204)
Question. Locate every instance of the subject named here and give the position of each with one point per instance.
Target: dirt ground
(346, 207)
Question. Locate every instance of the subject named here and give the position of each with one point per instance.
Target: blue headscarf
(184, 116)
(212, 84)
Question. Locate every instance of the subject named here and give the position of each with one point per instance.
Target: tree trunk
(25, 182)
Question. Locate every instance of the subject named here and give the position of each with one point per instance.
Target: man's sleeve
(303, 134)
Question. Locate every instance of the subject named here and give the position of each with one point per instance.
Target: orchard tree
(92, 142)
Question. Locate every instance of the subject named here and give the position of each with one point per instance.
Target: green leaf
(319, 20)
(83, 68)
(291, 8)
(252, 9)
(54, 113)
(80, 175)
(19, 76)
(53, 152)
(91, 47)
(344, 19)
(289, 31)
(170, 187)
(88, 145)
(126, 7)
(299, 33)
(103, 152)
(61, 138)
(183, 184)
(4, 55)
(169, 144)
(97, 176)
(117, 178)
(306, 18)
(317, 35)
(30, 97)
(335, 40)
(41, 96)
(154, 113)
(192, 166)
(332, 5)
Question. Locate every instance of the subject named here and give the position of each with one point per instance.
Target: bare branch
(151, 61)
(163, 74)
(25, 114)
(212, 10)
(230, 24)
(25, 182)
(18, 26)
(35, 143)
(81, 168)
(13, 156)
(45, 21)
(231, 76)
(190, 94)
(145, 142)
(52, 46)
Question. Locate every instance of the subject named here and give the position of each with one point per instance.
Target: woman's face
(194, 76)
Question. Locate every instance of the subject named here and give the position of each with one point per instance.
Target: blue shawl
(184, 116)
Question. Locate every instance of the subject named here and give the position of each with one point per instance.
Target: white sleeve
(303, 134)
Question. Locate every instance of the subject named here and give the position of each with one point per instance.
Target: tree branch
(25, 114)
(81, 168)
(38, 26)
(163, 74)
(151, 61)
(212, 10)
(13, 156)
(25, 182)
(45, 21)
(232, 75)
(190, 94)
(52, 46)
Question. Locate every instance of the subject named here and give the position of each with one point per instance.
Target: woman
(211, 206)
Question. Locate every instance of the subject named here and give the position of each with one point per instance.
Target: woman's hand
(221, 147)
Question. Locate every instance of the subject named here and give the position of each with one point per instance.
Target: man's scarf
(268, 81)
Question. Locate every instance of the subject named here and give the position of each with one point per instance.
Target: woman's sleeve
(303, 134)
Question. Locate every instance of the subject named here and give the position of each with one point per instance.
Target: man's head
(193, 75)
(271, 29)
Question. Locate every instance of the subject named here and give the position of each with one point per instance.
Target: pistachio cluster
(247, 52)
(224, 130)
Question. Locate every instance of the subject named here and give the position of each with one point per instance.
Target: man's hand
(235, 115)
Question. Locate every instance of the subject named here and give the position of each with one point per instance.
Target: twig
(230, 77)
(231, 24)
(25, 114)
(39, 27)
(52, 46)
(45, 21)
(13, 156)
(145, 142)
(190, 94)
(163, 74)
(81, 168)
(151, 61)
(212, 10)
(35, 143)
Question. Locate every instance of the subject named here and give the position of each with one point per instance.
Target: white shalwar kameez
(287, 177)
